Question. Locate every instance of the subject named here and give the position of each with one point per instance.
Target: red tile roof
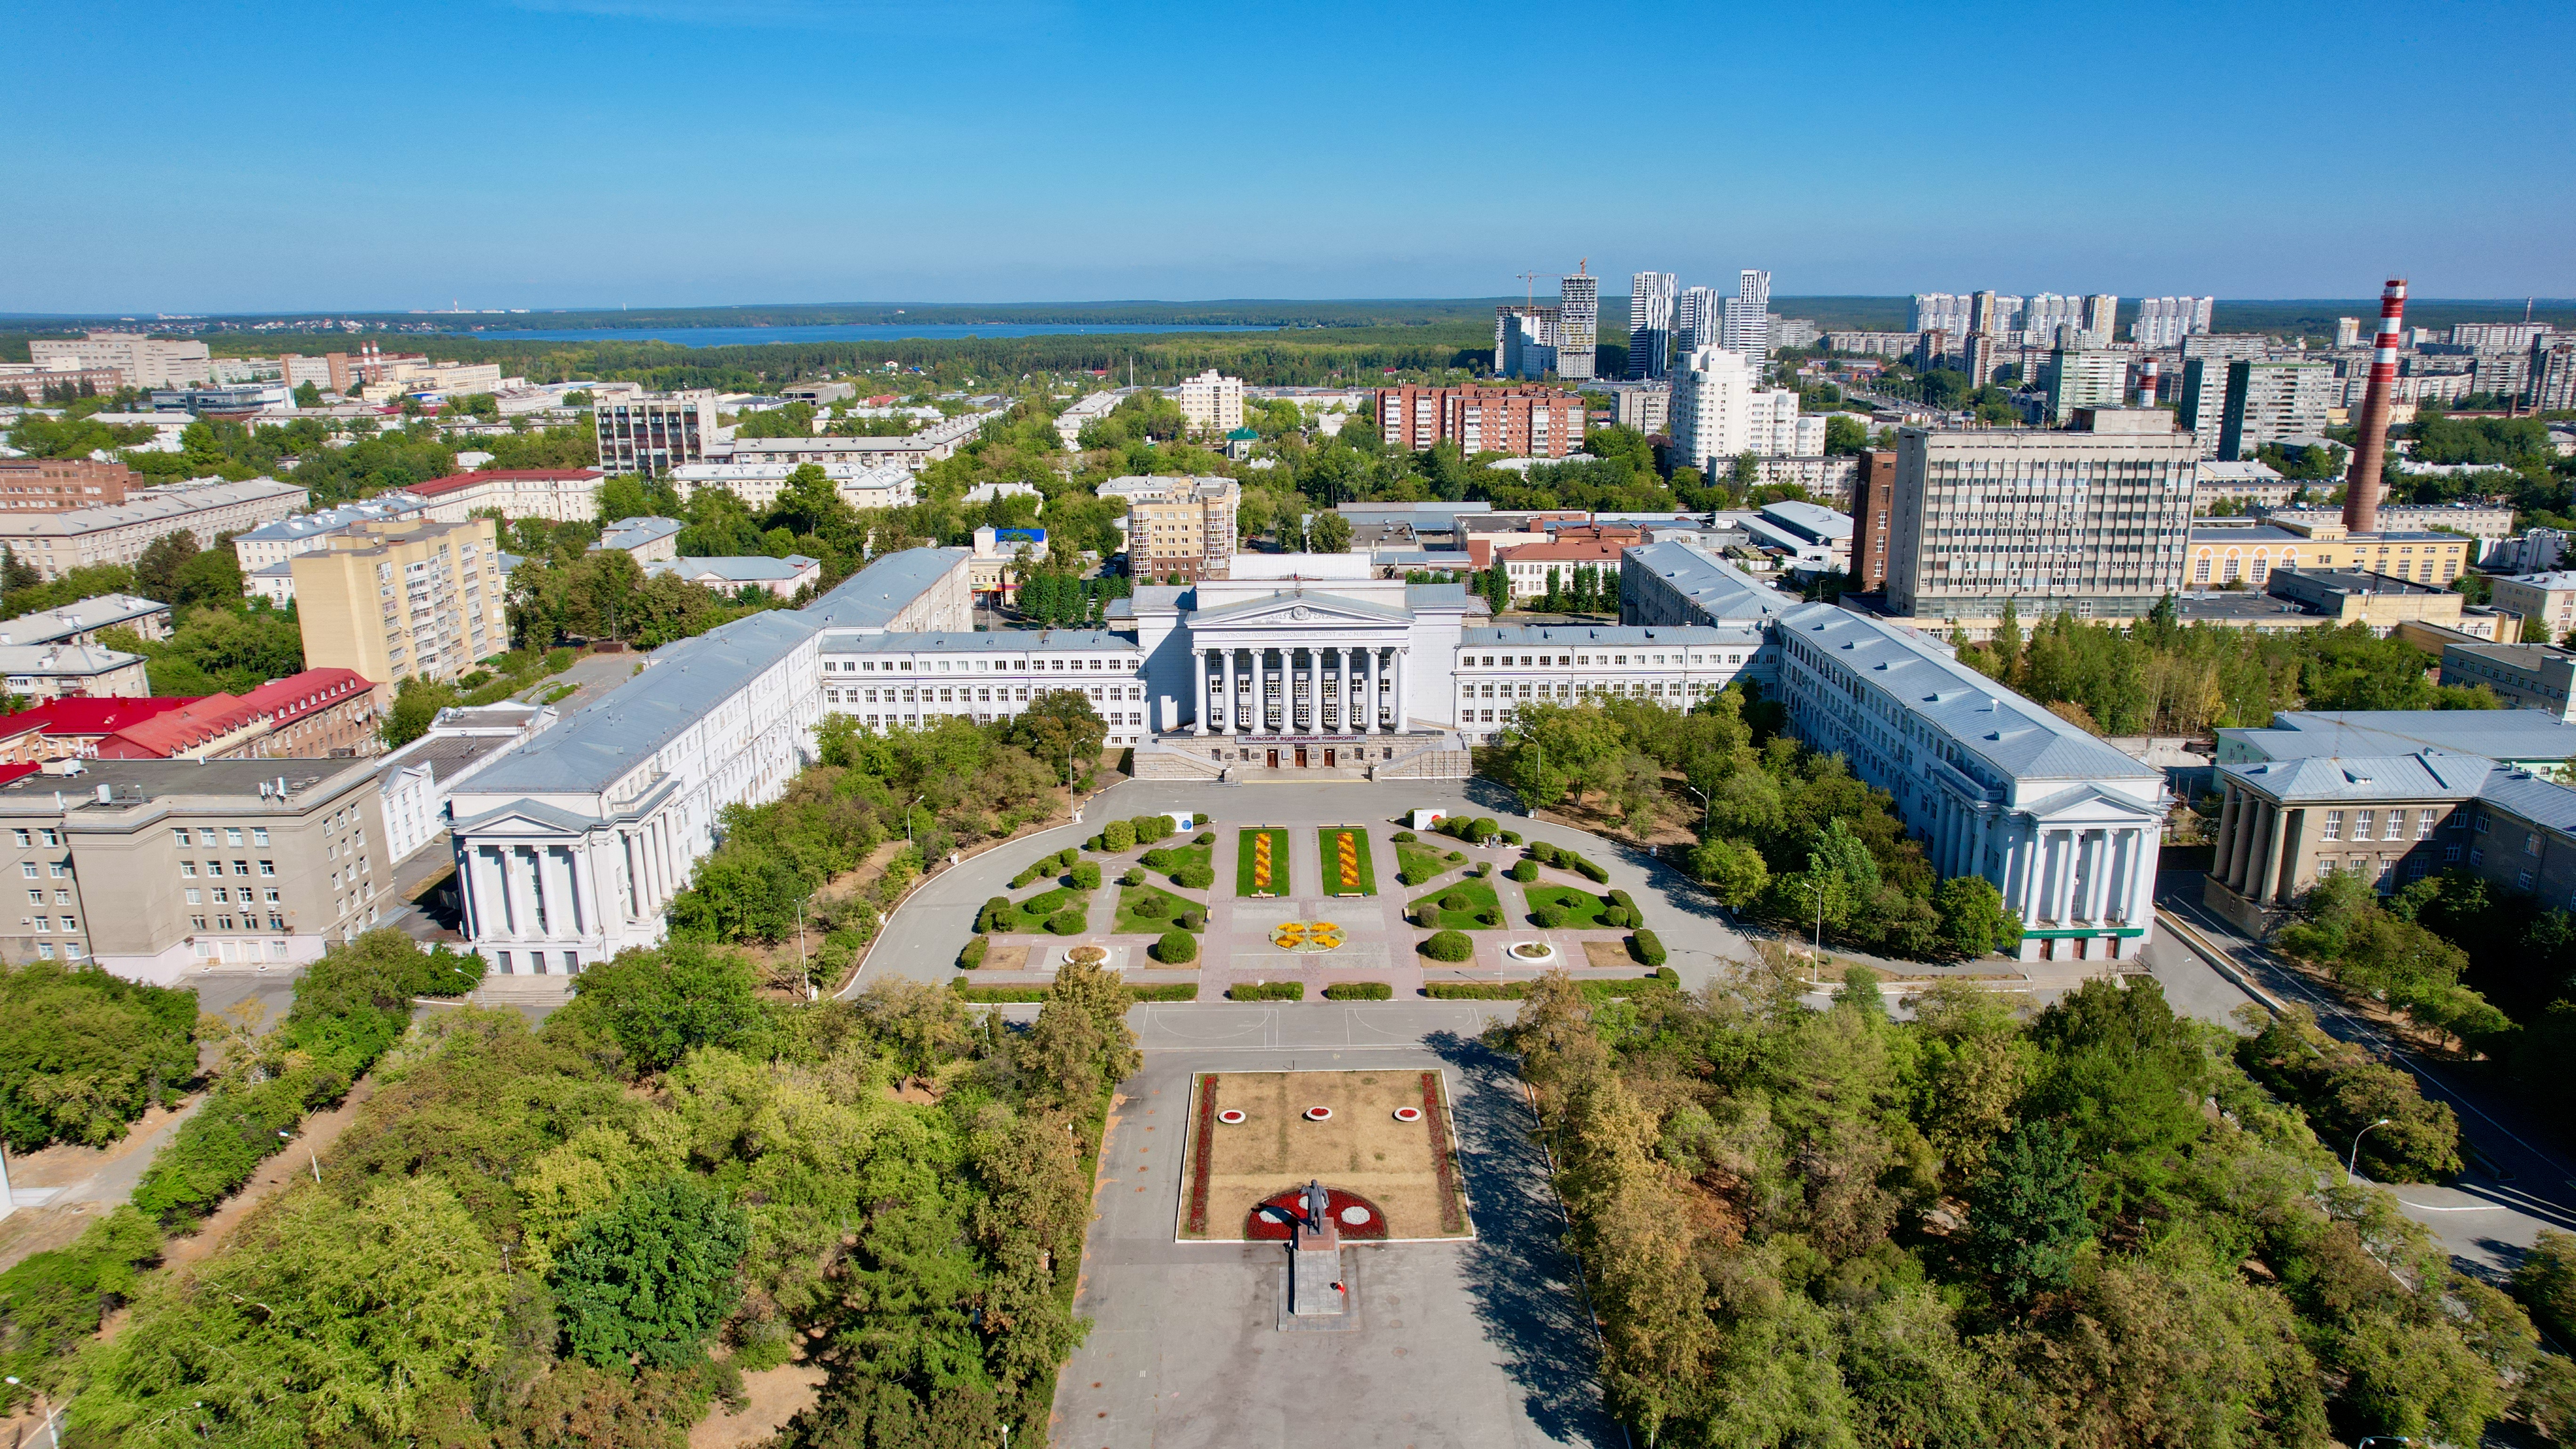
(278, 702)
(298, 695)
(97, 716)
(458, 482)
(18, 772)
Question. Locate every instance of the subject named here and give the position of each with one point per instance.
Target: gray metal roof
(1582, 636)
(870, 598)
(99, 611)
(1438, 596)
(999, 641)
(2496, 734)
(2527, 796)
(2015, 736)
(2424, 775)
(745, 569)
(446, 755)
(1722, 590)
(593, 748)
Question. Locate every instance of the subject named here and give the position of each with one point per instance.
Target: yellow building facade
(408, 599)
(2219, 556)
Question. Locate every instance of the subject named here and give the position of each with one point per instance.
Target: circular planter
(1408, 1114)
(1319, 1114)
(1354, 1216)
(1230, 1117)
(1531, 953)
(1087, 955)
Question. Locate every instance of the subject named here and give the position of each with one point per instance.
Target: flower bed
(1230, 1117)
(1408, 1114)
(1086, 955)
(1319, 1114)
(1205, 1145)
(1261, 862)
(1348, 870)
(1532, 953)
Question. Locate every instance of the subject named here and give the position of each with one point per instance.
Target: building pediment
(1301, 611)
(526, 820)
(2089, 805)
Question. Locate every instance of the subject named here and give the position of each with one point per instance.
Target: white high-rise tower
(1747, 326)
(1650, 322)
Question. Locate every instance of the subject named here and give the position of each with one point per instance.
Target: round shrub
(1150, 908)
(997, 909)
(1095, 843)
(1613, 916)
(1157, 859)
(1525, 872)
(1453, 901)
(1511, 837)
(1404, 837)
(1547, 917)
(1426, 915)
(1133, 877)
(1064, 923)
(1485, 828)
(1456, 856)
(973, 955)
(1448, 946)
(1085, 877)
(1489, 917)
(1194, 877)
(1204, 837)
(1176, 947)
(1484, 869)
(1118, 835)
(1190, 920)
(1065, 858)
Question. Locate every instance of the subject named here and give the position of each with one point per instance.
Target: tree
(417, 702)
(2028, 1212)
(1732, 869)
(653, 1277)
(1845, 435)
(308, 395)
(212, 578)
(656, 1005)
(83, 1053)
(1081, 1046)
(1974, 920)
(156, 573)
(1328, 532)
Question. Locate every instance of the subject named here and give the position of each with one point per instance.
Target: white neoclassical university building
(571, 846)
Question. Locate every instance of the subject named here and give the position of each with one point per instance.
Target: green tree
(1974, 919)
(2029, 1210)
(1081, 1046)
(308, 395)
(1328, 532)
(655, 1006)
(652, 1278)
(1062, 730)
(156, 573)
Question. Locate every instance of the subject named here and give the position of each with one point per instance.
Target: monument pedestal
(1318, 1292)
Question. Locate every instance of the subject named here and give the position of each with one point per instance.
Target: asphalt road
(2518, 1181)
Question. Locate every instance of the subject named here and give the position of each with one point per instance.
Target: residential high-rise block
(1712, 408)
(1524, 341)
(1212, 403)
(1650, 322)
(403, 599)
(1747, 321)
(1698, 320)
(2085, 380)
(1873, 498)
(2269, 401)
(2101, 319)
(2094, 519)
(1578, 325)
(654, 432)
(2166, 321)
(1939, 311)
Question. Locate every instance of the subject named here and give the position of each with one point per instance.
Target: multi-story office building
(2549, 598)
(562, 495)
(407, 599)
(2269, 401)
(645, 540)
(1671, 584)
(2524, 676)
(1178, 526)
(2285, 824)
(2094, 518)
(2166, 321)
(1677, 666)
(2549, 378)
(1520, 422)
(2256, 485)
(41, 672)
(1650, 322)
(27, 385)
(1699, 320)
(2222, 553)
(1747, 320)
(118, 533)
(2064, 826)
(655, 432)
(144, 362)
(1578, 325)
(52, 485)
(1712, 408)
(1212, 403)
(1873, 499)
(312, 714)
(156, 868)
(2202, 403)
(2084, 380)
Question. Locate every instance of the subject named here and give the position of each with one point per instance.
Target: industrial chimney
(2147, 383)
(2361, 481)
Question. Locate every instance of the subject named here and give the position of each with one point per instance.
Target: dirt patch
(1363, 1149)
(29, 1231)
(320, 1131)
(1607, 953)
(915, 1090)
(774, 1397)
(1006, 958)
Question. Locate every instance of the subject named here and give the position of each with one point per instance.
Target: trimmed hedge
(1085, 876)
(1181, 991)
(1614, 989)
(973, 956)
(1647, 947)
(1065, 922)
(1204, 837)
(996, 914)
(1525, 871)
(1593, 873)
(1404, 837)
(1267, 991)
(1134, 877)
(1359, 991)
(1194, 877)
(1176, 948)
(1448, 946)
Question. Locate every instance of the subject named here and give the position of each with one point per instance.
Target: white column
(1202, 673)
(2061, 885)
(1343, 675)
(1230, 722)
(2142, 883)
(1260, 711)
(585, 909)
(1376, 674)
(2097, 883)
(634, 875)
(1403, 687)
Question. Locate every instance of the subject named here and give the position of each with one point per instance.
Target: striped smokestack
(2361, 481)
(2147, 383)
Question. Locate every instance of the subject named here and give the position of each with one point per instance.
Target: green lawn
(1129, 921)
(1326, 839)
(1582, 908)
(1420, 863)
(1279, 877)
(1034, 911)
(1480, 897)
(1180, 857)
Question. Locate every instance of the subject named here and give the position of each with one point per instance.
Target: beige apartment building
(156, 869)
(117, 533)
(1212, 403)
(2550, 598)
(403, 599)
(146, 362)
(1178, 526)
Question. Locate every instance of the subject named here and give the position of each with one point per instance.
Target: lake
(839, 332)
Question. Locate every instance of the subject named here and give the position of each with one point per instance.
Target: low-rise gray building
(1675, 584)
(79, 623)
(2525, 676)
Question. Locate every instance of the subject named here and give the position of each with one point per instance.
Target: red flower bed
(1206, 1143)
(1452, 1219)
(1271, 1221)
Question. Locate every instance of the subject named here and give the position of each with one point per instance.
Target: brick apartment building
(51, 485)
(1871, 491)
(1522, 422)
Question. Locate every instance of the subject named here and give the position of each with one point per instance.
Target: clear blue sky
(208, 157)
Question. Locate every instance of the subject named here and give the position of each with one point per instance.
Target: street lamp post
(283, 1136)
(2354, 1163)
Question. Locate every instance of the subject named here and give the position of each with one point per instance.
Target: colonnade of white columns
(1302, 689)
(529, 893)
(2258, 846)
(2052, 876)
